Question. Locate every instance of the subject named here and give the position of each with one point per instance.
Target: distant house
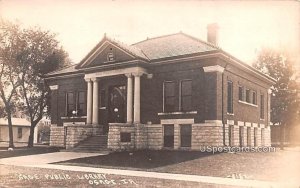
(21, 130)
(173, 91)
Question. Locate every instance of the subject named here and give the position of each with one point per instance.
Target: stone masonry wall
(206, 135)
(267, 132)
(57, 136)
(155, 136)
(114, 137)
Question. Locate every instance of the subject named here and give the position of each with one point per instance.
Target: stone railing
(57, 136)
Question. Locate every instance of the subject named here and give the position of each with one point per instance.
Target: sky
(245, 26)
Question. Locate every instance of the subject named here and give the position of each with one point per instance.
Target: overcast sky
(245, 27)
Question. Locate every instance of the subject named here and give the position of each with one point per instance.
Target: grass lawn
(280, 165)
(139, 160)
(22, 151)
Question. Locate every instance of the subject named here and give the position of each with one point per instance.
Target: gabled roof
(64, 70)
(131, 50)
(15, 122)
(173, 45)
(158, 48)
(128, 48)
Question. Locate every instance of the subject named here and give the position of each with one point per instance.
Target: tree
(284, 102)
(41, 55)
(26, 55)
(11, 46)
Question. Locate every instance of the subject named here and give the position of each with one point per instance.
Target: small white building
(21, 130)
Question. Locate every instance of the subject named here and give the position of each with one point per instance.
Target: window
(168, 135)
(20, 132)
(81, 103)
(254, 98)
(169, 96)
(110, 57)
(185, 135)
(248, 95)
(75, 101)
(241, 93)
(102, 98)
(186, 95)
(230, 97)
(262, 107)
(70, 103)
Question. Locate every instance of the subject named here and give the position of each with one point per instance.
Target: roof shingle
(173, 45)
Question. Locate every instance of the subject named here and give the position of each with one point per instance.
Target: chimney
(212, 33)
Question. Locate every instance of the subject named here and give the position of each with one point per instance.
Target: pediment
(109, 52)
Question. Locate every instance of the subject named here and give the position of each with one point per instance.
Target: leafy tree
(11, 46)
(284, 101)
(26, 55)
(42, 54)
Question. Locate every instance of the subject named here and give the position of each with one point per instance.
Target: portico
(133, 75)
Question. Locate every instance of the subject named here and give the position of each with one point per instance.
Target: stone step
(93, 143)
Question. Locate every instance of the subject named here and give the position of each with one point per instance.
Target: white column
(95, 101)
(129, 97)
(137, 97)
(89, 109)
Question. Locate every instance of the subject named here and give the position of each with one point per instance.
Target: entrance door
(117, 104)
(169, 136)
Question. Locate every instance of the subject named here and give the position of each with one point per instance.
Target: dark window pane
(241, 93)
(254, 97)
(186, 87)
(186, 103)
(70, 104)
(248, 95)
(70, 98)
(229, 97)
(262, 106)
(81, 104)
(168, 135)
(169, 89)
(186, 95)
(169, 101)
(81, 97)
(170, 104)
(186, 135)
(102, 98)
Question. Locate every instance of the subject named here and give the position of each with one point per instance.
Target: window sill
(176, 113)
(230, 114)
(75, 117)
(250, 104)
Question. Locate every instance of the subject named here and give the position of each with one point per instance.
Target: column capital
(87, 79)
(95, 79)
(137, 74)
(128, 75)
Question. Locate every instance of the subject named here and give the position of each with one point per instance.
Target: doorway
(117, 104)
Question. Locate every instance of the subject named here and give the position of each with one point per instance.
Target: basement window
(125, 137)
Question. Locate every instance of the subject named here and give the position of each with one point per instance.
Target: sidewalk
(45, 158)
